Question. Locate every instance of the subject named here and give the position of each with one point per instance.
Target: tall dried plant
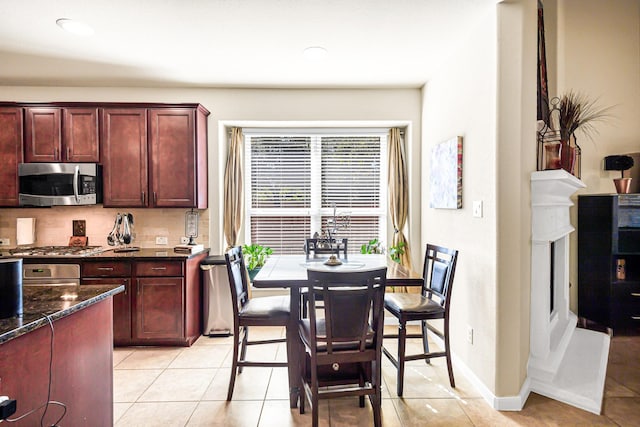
(576, 111)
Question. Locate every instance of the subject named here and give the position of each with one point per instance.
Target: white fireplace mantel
(565, 363)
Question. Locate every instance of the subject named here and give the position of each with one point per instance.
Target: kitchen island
(60, 350)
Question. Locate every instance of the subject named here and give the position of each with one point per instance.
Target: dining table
(290, 272)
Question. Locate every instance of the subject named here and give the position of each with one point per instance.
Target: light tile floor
(172, 386)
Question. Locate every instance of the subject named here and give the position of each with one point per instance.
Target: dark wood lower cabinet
(121, 308)
(162, 302)
(156, 314)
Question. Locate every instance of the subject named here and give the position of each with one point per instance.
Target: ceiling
(232, 43)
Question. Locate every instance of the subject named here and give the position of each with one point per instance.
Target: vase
(552, 155)
(567, 157)
(622, 185)
(253, 272)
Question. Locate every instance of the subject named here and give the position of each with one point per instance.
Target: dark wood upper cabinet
(11, 154)
(43, 134)
(54, 134)
(177, 154)
(154, 157)
(80, 135)
(124, 157)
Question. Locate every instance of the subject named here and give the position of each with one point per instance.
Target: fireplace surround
(566, 363)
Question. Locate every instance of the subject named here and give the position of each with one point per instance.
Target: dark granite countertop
(108, 254)
(52, 301)
(148, 253)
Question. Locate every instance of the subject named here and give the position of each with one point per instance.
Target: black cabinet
(609, 260)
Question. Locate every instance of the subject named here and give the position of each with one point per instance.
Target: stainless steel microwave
(59, 184)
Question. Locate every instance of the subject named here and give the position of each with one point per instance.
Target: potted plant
(619, 163)
(373, 246)
(254, 258)
(576, 112)
(395, 252)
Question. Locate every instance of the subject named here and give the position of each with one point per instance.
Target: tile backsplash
(54, 226)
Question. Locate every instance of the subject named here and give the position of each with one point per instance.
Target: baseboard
(506, 403)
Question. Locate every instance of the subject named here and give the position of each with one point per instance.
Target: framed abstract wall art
(446, 175)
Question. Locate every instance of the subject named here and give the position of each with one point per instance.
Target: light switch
(477, 208)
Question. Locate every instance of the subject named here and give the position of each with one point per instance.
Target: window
(296, 180)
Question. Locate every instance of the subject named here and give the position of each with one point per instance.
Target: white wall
(516, 126)
(460, 100)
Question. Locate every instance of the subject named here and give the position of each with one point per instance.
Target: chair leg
(425, 340)
(448, 353)
(302, 393)
(314, 394)
(361, 385)
(302, 398)
(234, 363)
(243, 350)
(376, 399)
(402, 341)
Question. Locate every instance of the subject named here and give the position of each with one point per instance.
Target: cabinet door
(80, 135)
(11, 154)
(121, 308)
(159, 308)
(124, 157)
(173, 157)
(43, 135)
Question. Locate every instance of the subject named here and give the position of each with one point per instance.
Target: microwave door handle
(76, 174)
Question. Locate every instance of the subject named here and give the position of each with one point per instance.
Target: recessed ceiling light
(315, 53)
(75, 27)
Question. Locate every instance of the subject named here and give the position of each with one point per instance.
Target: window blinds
(295, 181)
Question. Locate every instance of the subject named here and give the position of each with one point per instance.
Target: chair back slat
(439, 270)
(237, 277)
(317, 246)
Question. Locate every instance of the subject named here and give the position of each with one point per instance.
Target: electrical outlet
(162, 240)
(5, 241)
(477, 208)
(470, 334)
(184, 240)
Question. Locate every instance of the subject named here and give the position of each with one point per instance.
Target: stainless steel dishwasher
(217, 312)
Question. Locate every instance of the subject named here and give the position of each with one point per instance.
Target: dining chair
(432, 303)
(250, 312)
(316, 246)
(343, 339)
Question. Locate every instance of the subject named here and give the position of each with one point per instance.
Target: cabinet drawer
(106, 269)
(626, 293)
(159, 268)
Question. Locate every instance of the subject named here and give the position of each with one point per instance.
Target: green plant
(395, 252)
(255, 255)
(372, 247)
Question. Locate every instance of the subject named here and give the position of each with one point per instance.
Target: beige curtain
(399, 197)
(233, 185)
